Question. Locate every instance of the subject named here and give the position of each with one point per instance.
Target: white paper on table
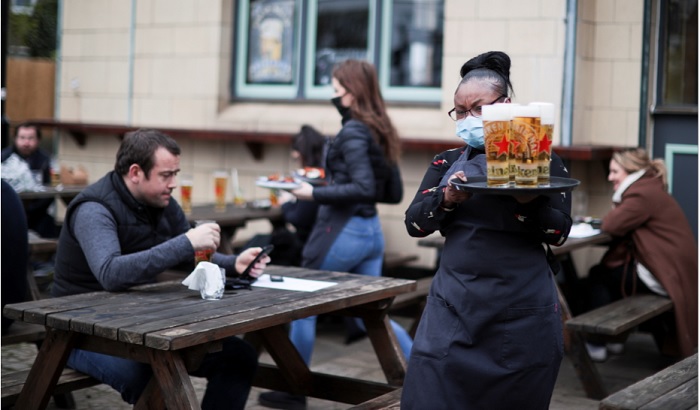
(301, 285)
(583, 230)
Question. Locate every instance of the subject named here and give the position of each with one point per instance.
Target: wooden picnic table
(65, 192)
(171, 327)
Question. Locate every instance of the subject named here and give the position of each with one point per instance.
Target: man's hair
(139, 147)
(37, 129)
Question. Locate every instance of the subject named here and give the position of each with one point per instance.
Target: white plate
(264, 183)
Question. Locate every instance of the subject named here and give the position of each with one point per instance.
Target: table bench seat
(388, 401)
(69, 381)
(675, 387)
(620, 316)
(21, 332)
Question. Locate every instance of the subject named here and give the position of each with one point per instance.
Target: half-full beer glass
(497, 143)
(526, 131)
(220, 184)
(544, 145)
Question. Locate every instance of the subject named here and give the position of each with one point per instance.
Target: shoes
(597, 353)
(615, 348)
(282, 400)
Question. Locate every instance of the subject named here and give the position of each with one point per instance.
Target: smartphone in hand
(246, 273)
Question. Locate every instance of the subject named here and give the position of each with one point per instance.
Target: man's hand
(205, 236)
(453, 196)
(246, 257)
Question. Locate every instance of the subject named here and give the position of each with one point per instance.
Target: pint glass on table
(220, 183)
(544, 145)
(497, 143)
(526, 131)
(186, 194)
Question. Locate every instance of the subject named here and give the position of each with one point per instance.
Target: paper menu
(300, 285)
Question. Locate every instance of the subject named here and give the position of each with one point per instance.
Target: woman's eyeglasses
(457, 115)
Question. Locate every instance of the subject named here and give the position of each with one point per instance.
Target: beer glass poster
(271, 41)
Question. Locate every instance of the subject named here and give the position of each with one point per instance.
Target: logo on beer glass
(544, 146)
(526, 130)
(497, 135)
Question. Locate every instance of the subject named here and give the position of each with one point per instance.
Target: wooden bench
(675, 387)
(413, 302)
(70, 380)
(620, 316)
(388, 401)
(21, 332)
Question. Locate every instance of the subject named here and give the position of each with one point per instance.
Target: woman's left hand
(305, 192)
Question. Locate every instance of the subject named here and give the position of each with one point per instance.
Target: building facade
(263, 66)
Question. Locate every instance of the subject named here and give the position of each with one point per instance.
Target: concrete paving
(331, 355)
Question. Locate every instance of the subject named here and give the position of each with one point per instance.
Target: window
(286, 49)
(679, 58)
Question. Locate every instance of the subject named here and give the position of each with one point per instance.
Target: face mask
(471, 130)
(343, 110)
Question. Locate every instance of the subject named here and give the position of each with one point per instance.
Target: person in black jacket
(347, 235)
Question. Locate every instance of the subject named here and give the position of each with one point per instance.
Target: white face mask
(471, 130)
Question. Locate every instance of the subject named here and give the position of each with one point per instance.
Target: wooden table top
(233, 216)
(63, 191)
(168, 316)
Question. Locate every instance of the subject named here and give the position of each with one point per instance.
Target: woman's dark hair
(139, 147)
(359, 78)
(309, 143)
(493, 67)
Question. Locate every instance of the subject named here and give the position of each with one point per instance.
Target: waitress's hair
(492, 67)
(309, 144)
(636, 159)
(359, 78)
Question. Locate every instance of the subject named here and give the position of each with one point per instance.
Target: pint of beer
(186, 194)
(526, 131)
(544, 145)
(220, 183)
(497, 143)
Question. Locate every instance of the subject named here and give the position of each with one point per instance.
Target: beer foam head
(526, 111)
(496, 112)
(546, 111)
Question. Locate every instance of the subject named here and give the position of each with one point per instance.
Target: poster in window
(271, 42)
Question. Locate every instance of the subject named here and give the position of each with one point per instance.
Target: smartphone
(246, 273)
(276, 278)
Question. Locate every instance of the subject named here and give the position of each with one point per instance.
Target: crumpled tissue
(207, 278)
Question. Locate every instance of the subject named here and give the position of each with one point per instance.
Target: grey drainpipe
(130, 81)
(569, 72)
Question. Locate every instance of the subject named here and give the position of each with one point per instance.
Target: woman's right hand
(305, 192)
(453, 196)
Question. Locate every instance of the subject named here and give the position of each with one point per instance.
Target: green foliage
(38, 31)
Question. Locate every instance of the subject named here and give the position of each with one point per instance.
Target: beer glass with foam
(186, 194)
(544, 145)
(497, 136)
(526, 130)
(220, 183)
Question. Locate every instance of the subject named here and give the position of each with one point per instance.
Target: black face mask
(343, 110)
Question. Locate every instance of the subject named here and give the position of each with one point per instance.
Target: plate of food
(478, 185)
(278, 181)
(312, 175)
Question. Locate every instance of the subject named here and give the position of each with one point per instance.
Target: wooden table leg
(287, 358)
(46, 370)
(171, 373)
(575, 349)
(387, 347)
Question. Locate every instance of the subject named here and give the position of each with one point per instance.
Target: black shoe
(282, 400)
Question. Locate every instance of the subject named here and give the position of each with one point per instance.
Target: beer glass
(186, 194)
(497, 143)
(526, 131)
(220, 183)
(512, 163)
(544, 145)
(203, 255)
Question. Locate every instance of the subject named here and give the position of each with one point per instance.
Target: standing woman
(347, 235)
(491, 335)
(653, 251)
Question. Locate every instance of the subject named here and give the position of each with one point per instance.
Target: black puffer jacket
(350, 162)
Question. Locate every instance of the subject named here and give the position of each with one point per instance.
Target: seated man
(123, 231)
(26, 146)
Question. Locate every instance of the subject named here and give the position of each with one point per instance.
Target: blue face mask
(471, 130)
